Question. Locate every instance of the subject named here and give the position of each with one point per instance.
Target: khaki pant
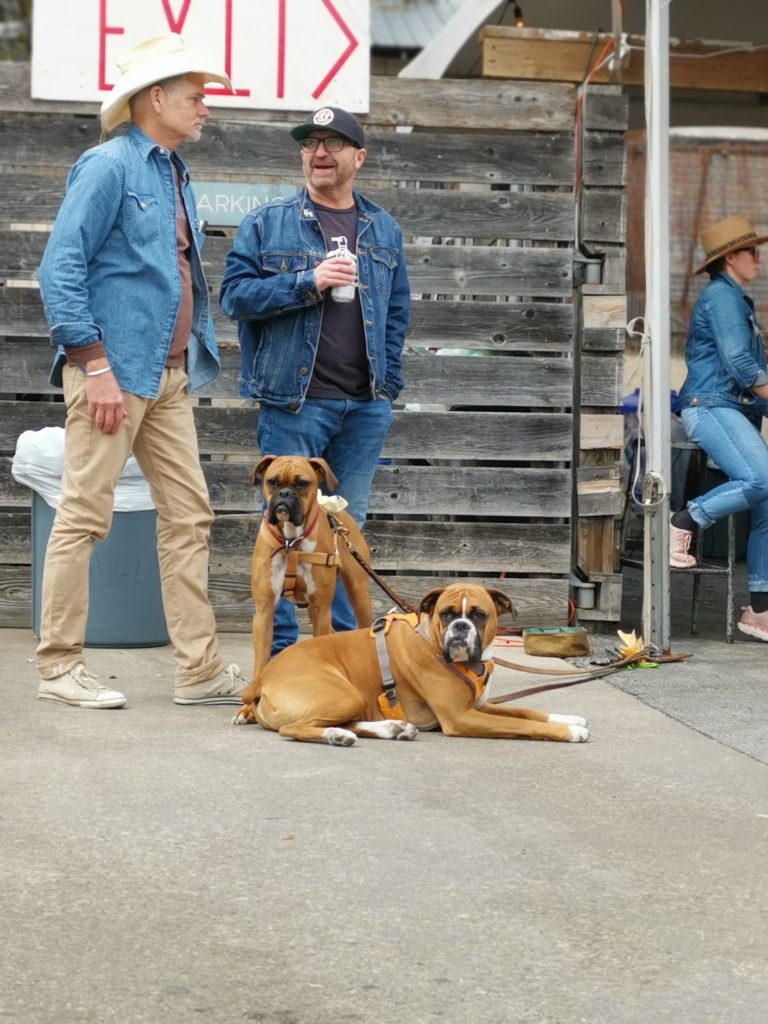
(161, 434)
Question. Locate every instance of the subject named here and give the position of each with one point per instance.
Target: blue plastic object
(125, 607)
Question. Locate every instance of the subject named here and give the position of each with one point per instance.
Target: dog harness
(388, 702)
(290, 548)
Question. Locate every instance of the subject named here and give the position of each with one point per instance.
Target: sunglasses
(751, 249)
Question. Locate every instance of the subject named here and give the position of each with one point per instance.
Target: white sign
(279, 54)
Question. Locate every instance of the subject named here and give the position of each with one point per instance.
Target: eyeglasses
(332, 144)
(751, 249)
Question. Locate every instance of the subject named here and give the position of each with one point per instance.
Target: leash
(607, 670)
(391, 594)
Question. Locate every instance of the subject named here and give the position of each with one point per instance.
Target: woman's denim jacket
(110, 269)
(269, 288)
(724, 352)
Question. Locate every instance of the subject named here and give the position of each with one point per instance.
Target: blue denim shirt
(724, 351)
(269, 288)
(110, 269)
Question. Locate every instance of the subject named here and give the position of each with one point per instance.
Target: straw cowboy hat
(726, 236)
(149, 62)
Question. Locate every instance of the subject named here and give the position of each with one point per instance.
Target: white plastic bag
(38, 462)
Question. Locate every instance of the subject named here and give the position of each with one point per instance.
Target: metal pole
(656, 605)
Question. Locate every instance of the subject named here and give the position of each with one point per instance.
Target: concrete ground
(159, 865)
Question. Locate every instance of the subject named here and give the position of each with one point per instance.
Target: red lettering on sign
(104, 31)
(176, 24)
(281, 49)
(217, 90)
(353, 44)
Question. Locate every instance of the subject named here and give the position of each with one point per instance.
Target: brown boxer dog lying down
(399, 677)
(296, 552)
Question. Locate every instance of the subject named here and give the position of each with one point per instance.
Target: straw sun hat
(151, 61)
(727, 235)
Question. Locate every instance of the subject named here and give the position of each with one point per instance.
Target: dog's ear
(502, 602)
(260, 469)
(324, 474)
(429, 601)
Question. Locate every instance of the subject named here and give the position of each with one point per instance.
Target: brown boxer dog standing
(334, 688)
(296, 552)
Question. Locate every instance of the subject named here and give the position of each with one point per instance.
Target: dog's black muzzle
(461, 641)
(286, 501)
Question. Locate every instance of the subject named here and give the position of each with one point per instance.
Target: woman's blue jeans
(349, 436)
(738, 449)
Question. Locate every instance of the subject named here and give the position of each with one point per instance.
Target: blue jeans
(349, 436)
(737, 447)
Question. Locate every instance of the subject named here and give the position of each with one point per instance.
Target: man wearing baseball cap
(124, 293)
(325, 371)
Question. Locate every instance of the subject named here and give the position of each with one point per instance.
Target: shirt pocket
(142, 217)
(285, 262)
(383, 264)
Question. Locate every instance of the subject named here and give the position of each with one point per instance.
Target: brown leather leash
(607, 670)
(399, 601)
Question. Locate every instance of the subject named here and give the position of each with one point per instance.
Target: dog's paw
(410, 732)
(569, 720)
(338, 737)
(243, 716)
(578, 734)
(389, 729)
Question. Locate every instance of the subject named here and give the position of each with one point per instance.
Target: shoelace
(87, 680)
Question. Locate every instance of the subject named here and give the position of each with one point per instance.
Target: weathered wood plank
(444, 213)
(455, 269)
(602, 379)
(449, 546)
(446, 103)
(510, 381)
(543, 54)
(502, 381)
(499, 326)
(50, 140)
(477, 436)
(538, 601)
(396, 490)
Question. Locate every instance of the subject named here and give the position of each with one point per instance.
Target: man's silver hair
(167, 84)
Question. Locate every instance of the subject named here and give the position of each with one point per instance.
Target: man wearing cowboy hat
(722, 403)
(124, 294)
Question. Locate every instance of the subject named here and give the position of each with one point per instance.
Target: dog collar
(283, 542)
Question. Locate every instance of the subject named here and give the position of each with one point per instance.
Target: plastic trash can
(125, 600)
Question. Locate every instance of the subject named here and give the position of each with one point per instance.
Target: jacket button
(292, 405)
(694, 401)
(303, 370)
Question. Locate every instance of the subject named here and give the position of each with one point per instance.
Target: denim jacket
(724, 351)
(269, 288)
(110, 269)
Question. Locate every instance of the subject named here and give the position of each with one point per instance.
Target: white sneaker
(81, 689)
(224, 688)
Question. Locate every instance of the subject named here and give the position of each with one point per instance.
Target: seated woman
(722, 403)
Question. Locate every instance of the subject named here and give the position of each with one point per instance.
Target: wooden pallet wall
(480, 457)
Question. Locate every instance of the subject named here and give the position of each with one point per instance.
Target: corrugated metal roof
(409, 24)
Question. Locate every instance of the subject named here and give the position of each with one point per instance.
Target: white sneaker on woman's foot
(81, 689)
